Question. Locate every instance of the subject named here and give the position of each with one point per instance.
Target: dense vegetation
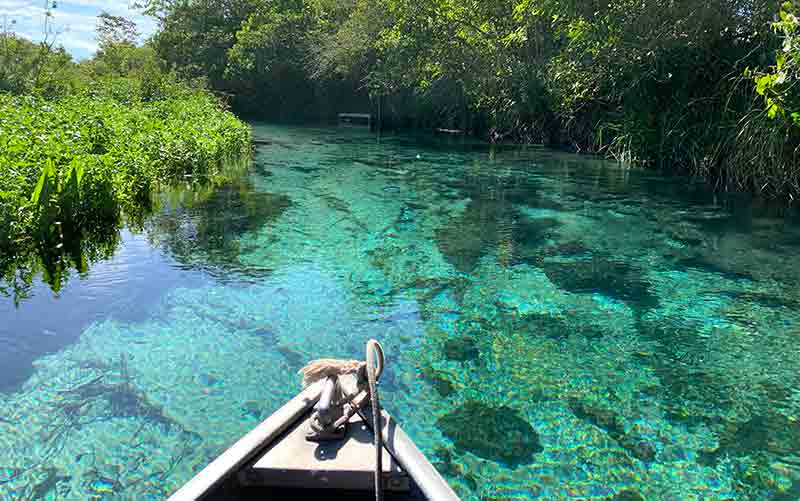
(84, 145)
(707, 87)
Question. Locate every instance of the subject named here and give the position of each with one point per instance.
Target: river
(556, 326)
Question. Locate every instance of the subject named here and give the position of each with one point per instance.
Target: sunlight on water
(557, 327)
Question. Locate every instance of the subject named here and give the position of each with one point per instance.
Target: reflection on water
(202, 228)
(557, 327)
(125, 287)
(65, 248)
(54, 257)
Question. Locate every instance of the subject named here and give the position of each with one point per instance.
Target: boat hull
(273, 461)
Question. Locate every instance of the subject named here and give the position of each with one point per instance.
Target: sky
(74, 21)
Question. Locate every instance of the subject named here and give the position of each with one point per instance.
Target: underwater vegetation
(461, 349)
(486, 225)
(105, 394)
(609, 421)
(114, 390)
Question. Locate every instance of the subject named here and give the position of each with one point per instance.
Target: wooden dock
(353, 119)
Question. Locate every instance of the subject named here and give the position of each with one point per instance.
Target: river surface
(556, 327)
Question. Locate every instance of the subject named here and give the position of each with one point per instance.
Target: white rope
(331, 367)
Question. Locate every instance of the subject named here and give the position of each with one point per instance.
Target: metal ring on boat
(374, 347)
(375, 362)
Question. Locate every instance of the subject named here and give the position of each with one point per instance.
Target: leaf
(44, 187)
(763, 82)
(70, 192)
(773, 109)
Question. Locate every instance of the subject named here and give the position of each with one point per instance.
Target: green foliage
(666, 84)
(115, 30)
(267, 58)
(780, 85)
(475, 59)
(195, 36)
(71, 167)
(83, 146)
(124, 60)
(26, 66)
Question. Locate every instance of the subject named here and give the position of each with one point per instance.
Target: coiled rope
(373, 367)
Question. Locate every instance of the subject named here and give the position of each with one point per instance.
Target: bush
(78, 163)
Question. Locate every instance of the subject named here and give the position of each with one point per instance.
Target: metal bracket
(327, 411)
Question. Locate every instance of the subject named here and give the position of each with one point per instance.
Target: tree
(115, 30)
(781, 85)
(27, 66)
(194, 37)
(118, 53)
(649, 81)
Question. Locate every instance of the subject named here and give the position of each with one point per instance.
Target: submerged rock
(605, 419)
(639, 448)
(691, 388)
(463, 241)
(763, 299)
(449, 468)
(440, 384)
(537, 256)
(610, 278)
(774, 434)
(487, 223)
(496, 433)
(533, 231)
(540, 323)
(626, 495)
(294, 359)
(461, 349)
(613, 424)
(558, 328)
(527, 238)
(515, 305)
(571, 248)
(443, 387)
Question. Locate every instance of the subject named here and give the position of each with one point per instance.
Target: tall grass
(727, 138)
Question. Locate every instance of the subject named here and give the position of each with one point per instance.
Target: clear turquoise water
(557, 327)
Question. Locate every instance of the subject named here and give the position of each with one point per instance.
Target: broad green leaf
(45, 186)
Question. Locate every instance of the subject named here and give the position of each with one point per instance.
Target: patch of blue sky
(73, 22)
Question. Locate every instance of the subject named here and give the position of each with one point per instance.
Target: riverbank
(78, 164)
(709, 90)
